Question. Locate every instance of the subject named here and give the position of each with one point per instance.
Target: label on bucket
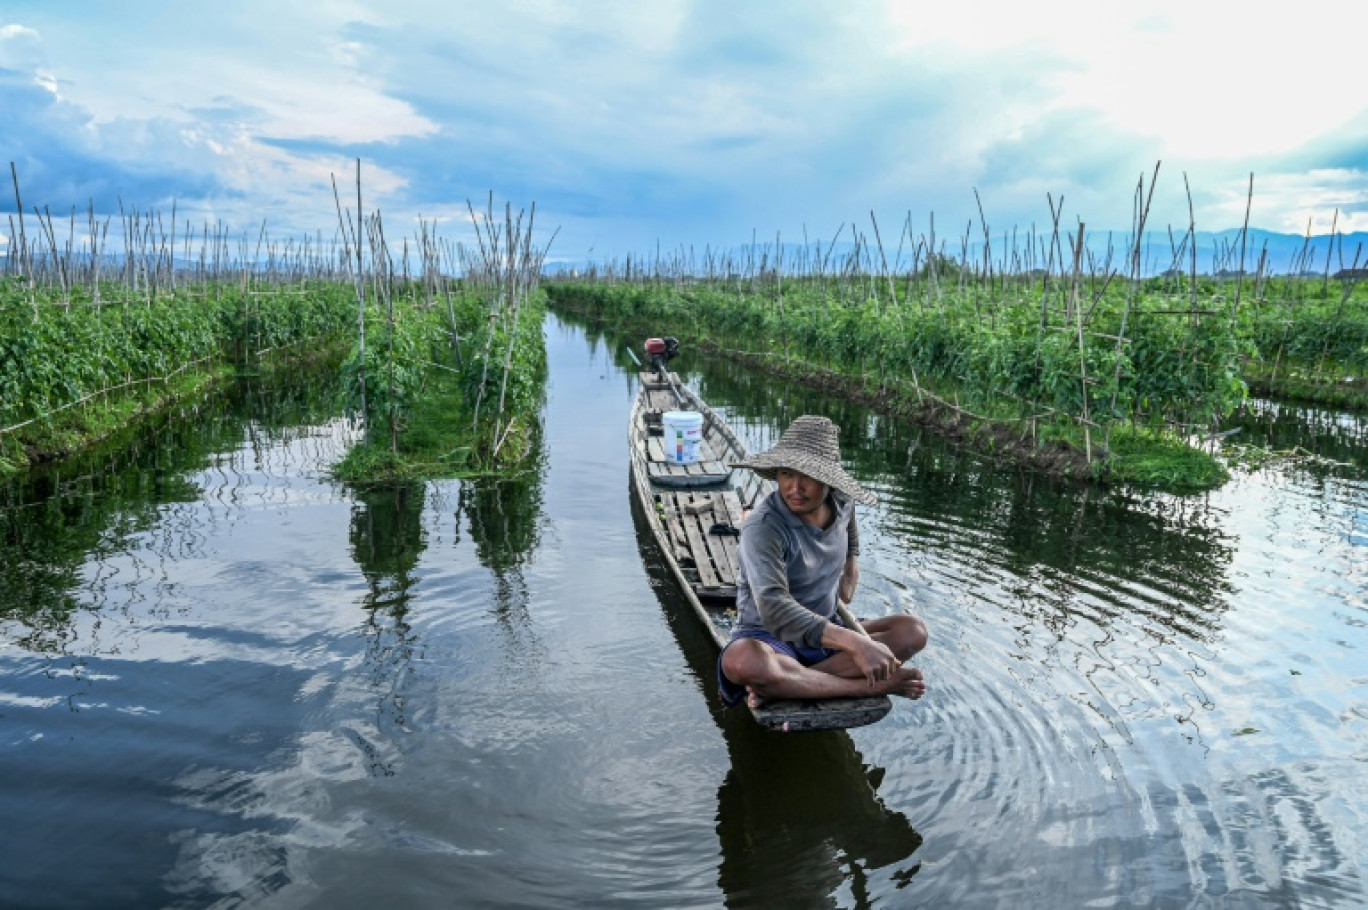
(683, 433)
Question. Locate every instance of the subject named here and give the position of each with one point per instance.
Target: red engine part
(655, 345)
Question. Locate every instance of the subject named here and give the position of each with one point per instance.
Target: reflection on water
(387, 537)
(1129, 692)
(226, 681)
(57, 520)
(505, 518)
(1336, 438)
(800, 823)
(799, 818)
(505, 522)
(114, 676)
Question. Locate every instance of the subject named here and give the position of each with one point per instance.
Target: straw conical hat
(812, 446)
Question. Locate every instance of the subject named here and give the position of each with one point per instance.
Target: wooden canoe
(693, 511)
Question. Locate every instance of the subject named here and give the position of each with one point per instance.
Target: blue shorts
(732, 693)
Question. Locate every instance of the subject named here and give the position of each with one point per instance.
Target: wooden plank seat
(655, 451)
(649, 381)
(658, 402)
(661, 400)
(699, 474)
(709, 557)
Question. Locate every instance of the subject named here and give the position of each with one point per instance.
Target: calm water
(226, 681)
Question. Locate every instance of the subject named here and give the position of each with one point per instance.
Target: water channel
(226, 681)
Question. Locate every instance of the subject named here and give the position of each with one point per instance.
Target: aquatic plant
(71, 372)
(1047, 341)
(91, 338)
(449, 376)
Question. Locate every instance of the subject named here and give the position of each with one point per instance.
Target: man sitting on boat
(798, 560)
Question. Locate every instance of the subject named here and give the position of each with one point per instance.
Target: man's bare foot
(753, 698)
(907, 682)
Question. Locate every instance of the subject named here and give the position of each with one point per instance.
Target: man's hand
(874, 659)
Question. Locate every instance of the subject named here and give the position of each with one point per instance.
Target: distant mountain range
(1217, 251)
(1220, 250)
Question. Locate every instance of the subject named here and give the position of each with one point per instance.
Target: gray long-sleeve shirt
(790, 571)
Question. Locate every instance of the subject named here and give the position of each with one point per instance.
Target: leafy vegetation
(1123, 391)
(449, 377)
(1026, 352)
(438, 399)
(454, 367)
(74, 372)
(1312, 343)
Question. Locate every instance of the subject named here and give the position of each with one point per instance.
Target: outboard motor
(659, 352)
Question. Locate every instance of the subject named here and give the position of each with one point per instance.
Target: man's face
(803, 495)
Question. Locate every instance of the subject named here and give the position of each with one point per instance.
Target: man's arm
(850, 579)
(850, 574)
(873, 658)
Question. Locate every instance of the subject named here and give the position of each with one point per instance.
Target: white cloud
(345, 111)
(1316, 200)
(21, 49)
(637, 121)
(15, 32)
(188, 110)
(1211, 79)
(301, 81)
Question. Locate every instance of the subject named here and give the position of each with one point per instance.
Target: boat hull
(695, 513)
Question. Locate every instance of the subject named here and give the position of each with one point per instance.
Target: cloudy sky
(679, 122)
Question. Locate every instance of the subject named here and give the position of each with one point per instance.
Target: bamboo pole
(1244, 236)
(1082, 353)
(1142, 218)
(358, 283)
(1329, 250)
(25, 261)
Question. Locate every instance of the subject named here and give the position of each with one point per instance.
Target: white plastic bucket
(683, 433)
